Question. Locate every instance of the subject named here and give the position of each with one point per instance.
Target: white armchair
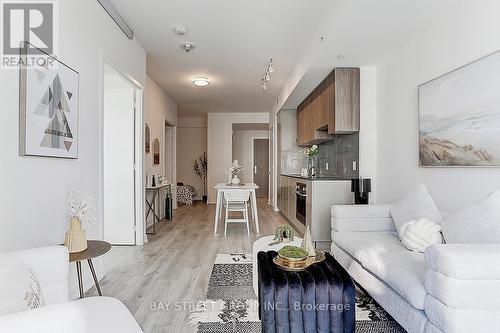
(89, 315)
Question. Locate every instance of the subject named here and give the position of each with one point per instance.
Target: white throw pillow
(19, 287)
(479, 223)
(418, 235)
(416, 205)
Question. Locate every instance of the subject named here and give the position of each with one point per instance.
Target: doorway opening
(170, 171)
(251, 149)
(120, 98)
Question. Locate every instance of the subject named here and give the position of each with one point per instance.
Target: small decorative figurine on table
(233, 172)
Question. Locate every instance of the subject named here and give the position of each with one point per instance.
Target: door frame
(139, 190)
(253, 160)
(172, 177)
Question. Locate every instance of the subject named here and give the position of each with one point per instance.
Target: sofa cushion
(416, 205)
(19, 287)
(479, 223)
(384, 256)
(419, 235)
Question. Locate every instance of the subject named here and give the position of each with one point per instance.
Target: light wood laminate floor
(175, 265)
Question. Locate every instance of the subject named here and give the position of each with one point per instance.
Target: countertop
(318, 178)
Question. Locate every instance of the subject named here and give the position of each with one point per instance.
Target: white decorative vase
(307, 243)
(75, 240)
(235, 180)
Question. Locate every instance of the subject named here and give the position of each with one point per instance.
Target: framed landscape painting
(48, 106)
(459, 116)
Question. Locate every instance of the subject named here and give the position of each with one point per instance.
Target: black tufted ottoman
(318, 299)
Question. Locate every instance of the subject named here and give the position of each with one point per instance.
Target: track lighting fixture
(271, 69)
(267, 75)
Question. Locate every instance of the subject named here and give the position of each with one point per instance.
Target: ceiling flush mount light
(180, 30)
(201, 81)
(267, 75)
(187, 46)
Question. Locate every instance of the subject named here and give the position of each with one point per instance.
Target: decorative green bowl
(293, 253)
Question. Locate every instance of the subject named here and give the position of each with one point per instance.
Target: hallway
(175, 265)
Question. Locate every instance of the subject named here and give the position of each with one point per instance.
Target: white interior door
(119, 189)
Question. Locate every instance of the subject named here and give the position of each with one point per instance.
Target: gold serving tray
(296, 266)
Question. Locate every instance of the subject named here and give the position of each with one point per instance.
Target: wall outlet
(354, 165)
(326, 166)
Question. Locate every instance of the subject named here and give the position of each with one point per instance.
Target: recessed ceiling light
(187, 46)
(201, 81)
(181, 30)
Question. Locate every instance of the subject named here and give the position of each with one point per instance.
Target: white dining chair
(236, 201)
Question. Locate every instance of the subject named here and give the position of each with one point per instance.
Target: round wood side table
(95, 248)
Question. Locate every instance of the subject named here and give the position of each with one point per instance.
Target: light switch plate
(354, 165)
(326, 166)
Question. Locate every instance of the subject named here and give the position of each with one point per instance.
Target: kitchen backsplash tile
(341, 154)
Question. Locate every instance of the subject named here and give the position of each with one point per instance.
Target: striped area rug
(231, 305)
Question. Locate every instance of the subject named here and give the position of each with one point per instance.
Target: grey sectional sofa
(450, 288)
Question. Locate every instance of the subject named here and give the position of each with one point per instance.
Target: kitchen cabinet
(321, 195)
(287, 197)
(289, 151)
(284, 196)
(332, 108)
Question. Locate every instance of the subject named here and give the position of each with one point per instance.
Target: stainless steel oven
(301, 199)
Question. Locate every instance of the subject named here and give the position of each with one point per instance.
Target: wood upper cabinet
(344, 117)
(332, 108)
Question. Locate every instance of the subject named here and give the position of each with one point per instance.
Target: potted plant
(284, 234)
(200, 167)
(311, 153)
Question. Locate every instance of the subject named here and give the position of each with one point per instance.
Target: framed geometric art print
(48, 106)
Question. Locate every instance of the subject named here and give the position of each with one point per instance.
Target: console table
(152, 204)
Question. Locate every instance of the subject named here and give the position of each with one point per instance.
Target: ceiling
(234, 41)
(365, 32)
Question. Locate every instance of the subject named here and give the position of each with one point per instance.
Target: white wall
(470, 32)
(368, 156)
(35, 189)
(219, 144)
(191, 143)
(159, 108)
(243, 150)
